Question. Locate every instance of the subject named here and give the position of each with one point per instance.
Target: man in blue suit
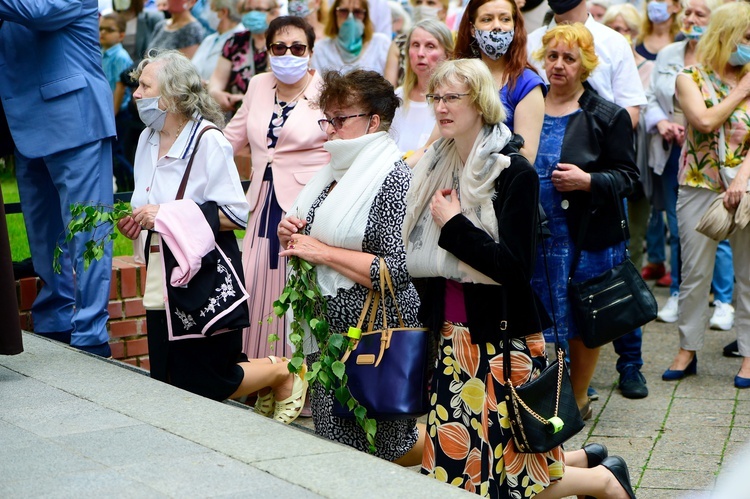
(59, 109)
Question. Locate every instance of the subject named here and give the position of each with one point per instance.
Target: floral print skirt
(469, 442)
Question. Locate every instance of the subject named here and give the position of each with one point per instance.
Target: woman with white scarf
(470, 236)
(345, 219)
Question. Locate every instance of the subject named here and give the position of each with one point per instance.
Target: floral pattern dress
(699, 161)
(246, 61)
(469, 416)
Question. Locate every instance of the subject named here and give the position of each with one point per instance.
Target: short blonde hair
(571, 34)
(482, 90)
(629, 14)
(725, 30)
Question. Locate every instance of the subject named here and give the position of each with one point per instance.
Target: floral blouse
(699, 161)
(246, 61)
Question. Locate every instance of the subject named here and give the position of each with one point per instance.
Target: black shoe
(632, 383)
(617, 466)
(63, 337)
(102, 350)
(595, 454)
(732, 350)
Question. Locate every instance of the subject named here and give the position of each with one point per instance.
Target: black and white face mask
(494, 43)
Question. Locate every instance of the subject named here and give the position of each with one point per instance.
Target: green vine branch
(308, 304)
(98, 219)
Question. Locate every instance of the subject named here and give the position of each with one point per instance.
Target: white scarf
(441, 168)
(359, 166)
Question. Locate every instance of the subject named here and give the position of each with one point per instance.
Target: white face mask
(288, 68)
(212, 18)
(150, 114)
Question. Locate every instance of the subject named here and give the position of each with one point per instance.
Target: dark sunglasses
(358, 13)
(280, 48)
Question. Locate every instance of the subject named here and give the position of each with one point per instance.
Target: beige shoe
(288, 409)
(264, 404)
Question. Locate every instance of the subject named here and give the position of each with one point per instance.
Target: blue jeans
(655, 241)
(628, 349)
(723, 281)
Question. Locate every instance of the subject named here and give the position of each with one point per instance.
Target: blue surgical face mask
(255, 21)
(658, 12)
(740, 56)
(694, 33)
(350, 35)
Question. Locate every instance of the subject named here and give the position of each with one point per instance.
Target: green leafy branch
(303, 295)
(98, 219)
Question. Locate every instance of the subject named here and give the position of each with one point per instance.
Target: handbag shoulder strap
(184, 181)
(585, 225)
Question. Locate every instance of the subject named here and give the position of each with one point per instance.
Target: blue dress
(560, 248)
(527, 82)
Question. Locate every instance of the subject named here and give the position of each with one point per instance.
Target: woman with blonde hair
(351, 41)
(470, 236)
(715, 96)
(589, 141)
(429, 43)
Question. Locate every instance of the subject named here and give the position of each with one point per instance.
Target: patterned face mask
(494, 43)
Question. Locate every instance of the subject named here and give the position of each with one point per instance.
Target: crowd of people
(428, 137)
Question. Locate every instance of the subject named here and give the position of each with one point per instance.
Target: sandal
(264, 404)
(288, 409)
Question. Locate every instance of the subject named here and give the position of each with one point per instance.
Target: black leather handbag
(543, 412)
(613, 303)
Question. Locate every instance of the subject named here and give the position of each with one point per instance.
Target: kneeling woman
(176, 108)
(470, 232)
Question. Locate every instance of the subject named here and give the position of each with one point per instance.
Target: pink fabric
(299, 152)
(183, 227)
(455, 310)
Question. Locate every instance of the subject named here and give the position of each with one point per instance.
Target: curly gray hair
(180, 85)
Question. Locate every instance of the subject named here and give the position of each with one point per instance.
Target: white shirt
(616, 77)
(411, 128)
(327, 57)
(209, 50)
(213, 176)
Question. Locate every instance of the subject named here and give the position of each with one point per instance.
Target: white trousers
(698, 254)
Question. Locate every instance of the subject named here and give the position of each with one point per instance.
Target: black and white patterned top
(383, 239)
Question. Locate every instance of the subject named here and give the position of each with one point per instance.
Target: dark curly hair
(284, 22)
(367, 89)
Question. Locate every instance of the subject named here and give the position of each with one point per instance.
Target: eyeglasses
(449, 99)
(337, 122)
(107, 29)
(280, 48)
(358, 13)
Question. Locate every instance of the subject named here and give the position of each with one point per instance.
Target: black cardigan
(599, 139)
(509, 261)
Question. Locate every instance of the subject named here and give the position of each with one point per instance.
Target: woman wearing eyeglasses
(470, 236)
(344, 220)
(351, 42)
(277, 120)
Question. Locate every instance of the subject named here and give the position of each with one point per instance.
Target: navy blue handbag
(388, 369)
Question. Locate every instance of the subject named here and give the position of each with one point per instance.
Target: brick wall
(127, 317)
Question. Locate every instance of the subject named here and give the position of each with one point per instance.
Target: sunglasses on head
(280, 48)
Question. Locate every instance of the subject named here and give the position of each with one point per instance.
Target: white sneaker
(723, 318)
(669, 312)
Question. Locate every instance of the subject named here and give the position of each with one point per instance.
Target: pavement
(76, 425)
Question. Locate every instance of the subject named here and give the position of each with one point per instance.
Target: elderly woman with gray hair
(181, 136)
(226, 19)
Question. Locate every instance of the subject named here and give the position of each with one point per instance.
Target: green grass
(19, 243)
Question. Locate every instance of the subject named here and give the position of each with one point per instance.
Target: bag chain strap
(557, 398)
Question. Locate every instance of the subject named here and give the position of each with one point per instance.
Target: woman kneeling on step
(179, 116)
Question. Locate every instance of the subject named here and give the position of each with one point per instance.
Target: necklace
(179, 128)
(294, 99)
